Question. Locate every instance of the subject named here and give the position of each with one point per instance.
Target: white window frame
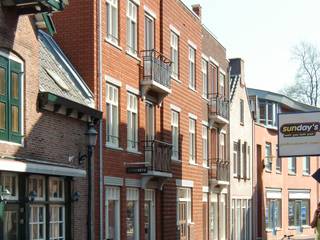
(132, 27)
(204, 71)
(113, 101)
(187, 197)
(147, 16)
(174, 44)
(113, 194)
(31, 223)
(112, 21)
(58, 222)
(175, 134)
(192, 68)
(133, 195)
(192, 140)
(38, 179)
(235, 158)
(205, 146)
(306, 166)
(291, 161)
(268, 159)
(11, 177)
(222, 78)
(132, 113)
(60, 181)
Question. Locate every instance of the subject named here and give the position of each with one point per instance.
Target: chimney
(196, 8)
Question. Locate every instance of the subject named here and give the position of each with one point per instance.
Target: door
(149, 145)
(183, 223)
(149, 215)
(149, 33)
(9, 221)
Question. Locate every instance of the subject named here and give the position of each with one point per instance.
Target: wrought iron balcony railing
(219, 170)
(156, 72)
(158, 155)
(219, 106)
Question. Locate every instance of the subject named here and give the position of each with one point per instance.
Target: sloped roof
(58, 76)
(282, 99)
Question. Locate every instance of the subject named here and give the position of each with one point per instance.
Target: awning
(37, 168)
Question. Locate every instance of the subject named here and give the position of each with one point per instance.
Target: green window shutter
(15, 102)
(4, 103)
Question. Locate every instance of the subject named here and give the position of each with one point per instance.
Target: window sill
(113, 44)
(193, 163)
(306, 174)
(278, 172)
(292, 174)
(13, 143)
(271, 230)
(296, 227)
(108, 145)
(193, 89)
(205, 166)
(176, 79)
(205, 98)
(268, 171)
(134, 151)
(133, 55)
(176, 161)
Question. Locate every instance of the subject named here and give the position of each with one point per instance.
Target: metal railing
(156, 67)
(158, 155)
(219, 169)
(219, 105)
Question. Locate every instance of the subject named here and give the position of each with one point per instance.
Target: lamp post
(91, 143)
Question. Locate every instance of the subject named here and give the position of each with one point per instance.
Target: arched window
(11, 73)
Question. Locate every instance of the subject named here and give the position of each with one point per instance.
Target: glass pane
(111, 219)
(2, 115)
(10, 225)
(2, 81)
(15, 119)
(14, 85)
(130, 221)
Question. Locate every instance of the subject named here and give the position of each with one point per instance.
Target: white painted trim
(136, 2)
(205, 57)
(192, 44)
(133, 90)
(174, 29)
(19, 166)
(113, 181)
(299, 194)
(150, 12)
(205, 189)
(215, 62)
(205, 123)
(175, 108)
(273, 193)
(184, 183)
(223, 72)
(191, 115)
(113, 81)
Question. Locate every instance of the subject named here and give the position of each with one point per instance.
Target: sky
(263, 33)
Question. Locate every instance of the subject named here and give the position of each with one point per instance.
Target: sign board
(299, 134)
(136, 169)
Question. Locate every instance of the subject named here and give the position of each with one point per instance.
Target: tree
(307, 83)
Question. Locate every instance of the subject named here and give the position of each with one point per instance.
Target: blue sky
(263, 33)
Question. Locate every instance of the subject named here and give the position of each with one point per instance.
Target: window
(56, 189)
(112, 21)
(37, 185)
(205, 145)
(192, 140)
(132, 34)
(238, 216)
(306, 166)
(112, 116)
(132, 129)
(222, 147)
(249, 163)
(268, 113)
(241, 111)
(57, 218)
(268, 157)
(292, 164)
(204, 68)
(132, 214)
(273, 213)
(299, 212)
(236, 150)
(174, 43)
(192, 68)
(10, 100)
(148, 32)
(233, 220)
(244, 160)
(175, 134)
(113, 213)
(278, 165)
(223, 216)
(221, 84)
(37, 222)
(9, 186)
(184, 196)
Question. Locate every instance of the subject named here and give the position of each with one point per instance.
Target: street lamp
(91, 143)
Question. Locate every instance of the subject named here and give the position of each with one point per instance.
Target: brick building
(285, 194)
(161, 80)
(44, 110)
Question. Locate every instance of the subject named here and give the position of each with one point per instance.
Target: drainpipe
(101, 230)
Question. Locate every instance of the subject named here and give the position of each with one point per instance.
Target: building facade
(161, 80)
(241, 149)
(285, 194)
(44, 110)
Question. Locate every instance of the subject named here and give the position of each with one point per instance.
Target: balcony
(156, 75)
(219, 171)
(35, 6)
(218, 109)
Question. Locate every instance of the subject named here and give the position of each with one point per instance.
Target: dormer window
(268, 113)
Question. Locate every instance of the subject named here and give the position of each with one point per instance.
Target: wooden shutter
(4, 95)
(239, 159)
